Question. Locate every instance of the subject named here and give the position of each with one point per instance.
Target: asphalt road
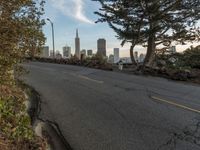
(100, 110)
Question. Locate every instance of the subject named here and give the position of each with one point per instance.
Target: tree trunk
(132, 55)
(150, 51)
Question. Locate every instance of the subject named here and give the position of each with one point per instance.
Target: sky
(69, 15)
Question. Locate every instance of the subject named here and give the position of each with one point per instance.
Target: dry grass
(38, 144)
(15, 128)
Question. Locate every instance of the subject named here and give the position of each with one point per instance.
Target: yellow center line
(86, 78)
(175, 104)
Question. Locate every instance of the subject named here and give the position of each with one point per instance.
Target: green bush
(14, 121)
(191, 57)
(16, 132)
(95, 61)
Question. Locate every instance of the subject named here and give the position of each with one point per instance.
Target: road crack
(190, 134)
(35, 112)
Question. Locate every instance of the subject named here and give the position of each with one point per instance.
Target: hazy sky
(67, 15)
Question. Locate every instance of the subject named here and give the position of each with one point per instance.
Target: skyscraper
(89, 52)
(116, 55)
(77, 45)
(101, 47)
(67, 52)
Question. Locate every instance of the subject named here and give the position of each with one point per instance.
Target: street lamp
(52, 36)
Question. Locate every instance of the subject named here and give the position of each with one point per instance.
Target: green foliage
(21, 35)
(14, 121)
(99, 59)
(153, 22)
(96, 61)
(191, 57)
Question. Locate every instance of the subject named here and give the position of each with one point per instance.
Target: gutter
(44, 128)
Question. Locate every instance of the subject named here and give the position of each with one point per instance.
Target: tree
(151, 22)
(21, 33)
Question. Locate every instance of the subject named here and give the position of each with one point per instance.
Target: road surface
(102, 110)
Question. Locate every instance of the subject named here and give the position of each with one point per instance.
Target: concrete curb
(44, 128)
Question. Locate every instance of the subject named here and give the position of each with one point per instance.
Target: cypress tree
(151, 22)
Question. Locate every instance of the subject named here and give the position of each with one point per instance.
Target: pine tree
(151, 22)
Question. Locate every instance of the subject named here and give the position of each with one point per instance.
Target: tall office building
(116, 55)
(45, 52)
(67, 52)
(89, 52)
(77, 45)
(101, 47)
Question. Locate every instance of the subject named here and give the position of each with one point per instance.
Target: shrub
(21, 35)
(96, 61)
(191, 57)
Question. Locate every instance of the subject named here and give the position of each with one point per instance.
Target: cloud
(72, 8)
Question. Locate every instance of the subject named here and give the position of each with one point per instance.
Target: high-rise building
(116, 55)
(67, 52)
(45, 52)
(101, 47)
(77, 45)
(89, 52)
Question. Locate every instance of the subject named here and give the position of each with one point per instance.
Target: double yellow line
(175, 104)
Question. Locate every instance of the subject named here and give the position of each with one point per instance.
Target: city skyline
(69, 15)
